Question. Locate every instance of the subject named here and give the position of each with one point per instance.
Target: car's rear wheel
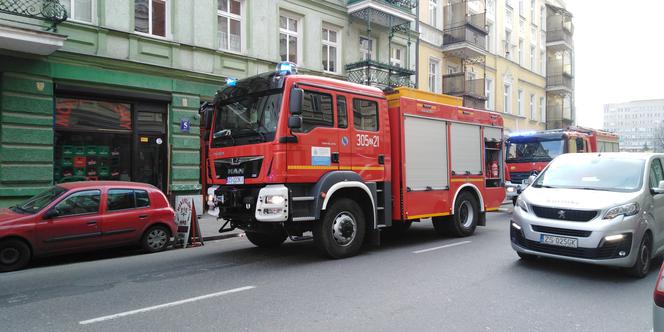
(14, 255)
(643, 258)
(156, 238)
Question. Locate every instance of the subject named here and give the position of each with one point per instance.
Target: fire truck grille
(518, 177)
(563, 214)
(249, 167)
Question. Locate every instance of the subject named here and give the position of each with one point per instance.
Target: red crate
(80, 162)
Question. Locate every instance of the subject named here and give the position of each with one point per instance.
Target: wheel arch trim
(473, 188)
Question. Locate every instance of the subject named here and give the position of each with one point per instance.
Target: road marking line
(441, 247)
(165, 305)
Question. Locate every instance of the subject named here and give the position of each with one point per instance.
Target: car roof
(613, 155)
(106, 185)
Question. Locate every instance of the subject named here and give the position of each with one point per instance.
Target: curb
(223, 236)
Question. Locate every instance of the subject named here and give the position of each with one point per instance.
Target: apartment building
(494, 54)
(640, 124)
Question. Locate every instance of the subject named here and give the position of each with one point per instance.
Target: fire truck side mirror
(294, 122)
(206, 111)
(296, 101)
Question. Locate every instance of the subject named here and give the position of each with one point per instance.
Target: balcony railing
(378, 74)
(559, 80)
(49, 10)
(560, 35)
(472, 90)
(404, 5)
(465, 34)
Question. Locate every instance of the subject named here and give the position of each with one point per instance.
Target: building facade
(639, 124)
(494, 54)
(101, 89)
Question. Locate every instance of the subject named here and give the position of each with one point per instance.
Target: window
(365, 114)
(316, 111)
(434, 75)
(491, 37)
(532, 58)
(229, 28)
(508, 44)
(543, 40)
(542, 63)
(656, 173)
(532, 107)
(433, 13)
(342, 112)
(521, 52)
(80, 10)
(542, 110)
(533, 36)
(330, 54)
(289, 41)
(397, 56)
(532, 11)
(519, 102)
(150, 17)
(122, 199)
(521, 9)
(489, 94)
(507, 98)
(543, 18)
(366, 48)
(81, 202)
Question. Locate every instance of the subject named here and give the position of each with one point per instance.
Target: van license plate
(235, 180)
(559, 241)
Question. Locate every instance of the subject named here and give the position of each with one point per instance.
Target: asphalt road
(420, 282)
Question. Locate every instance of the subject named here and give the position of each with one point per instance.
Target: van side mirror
(50, 214)
(659, 189)
(530, 180)
(294, 122)
(296, 101)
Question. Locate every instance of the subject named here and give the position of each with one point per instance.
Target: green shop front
(62, 121)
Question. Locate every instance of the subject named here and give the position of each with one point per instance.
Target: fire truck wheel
(464, 221)
(340, 232)
(267, 240)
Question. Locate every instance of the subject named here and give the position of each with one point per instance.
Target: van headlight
(522, 204)
(622, 210)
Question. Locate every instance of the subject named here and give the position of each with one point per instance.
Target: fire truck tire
(464, 221)
(340, 232)
(267, 240)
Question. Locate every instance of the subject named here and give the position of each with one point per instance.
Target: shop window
(365, 115)
(79, 203)
(81, 114)
(316, 111)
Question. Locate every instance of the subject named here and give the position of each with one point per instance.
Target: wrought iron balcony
(387, 13)
(378, 74)
(559, 39)
(49, 10)
(464, 32)
(559, 82)
(472, 90)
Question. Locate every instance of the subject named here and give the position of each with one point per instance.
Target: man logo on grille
(561, 214)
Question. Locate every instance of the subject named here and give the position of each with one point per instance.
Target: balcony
(465, 31)
(559, 29)
(472, 90)
(26, 25)
(559, 40)
(560, 83)
(378, 74)
(558, 113)
(387, 13)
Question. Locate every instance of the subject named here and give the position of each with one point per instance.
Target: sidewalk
(210, 229)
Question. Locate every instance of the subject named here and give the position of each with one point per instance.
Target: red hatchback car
(80, 216)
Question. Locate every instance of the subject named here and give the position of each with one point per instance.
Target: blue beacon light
(286, 68)
(231, 81)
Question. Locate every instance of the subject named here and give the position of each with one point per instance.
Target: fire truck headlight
(510, 189)
(211, 198)
(275, 199)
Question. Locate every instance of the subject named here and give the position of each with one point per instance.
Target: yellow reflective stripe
(369, 168)
(491, 209)
(420, 216)
(466, 180)
(358, 168)
(312, 167)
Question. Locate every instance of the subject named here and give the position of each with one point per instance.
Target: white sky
(619, 54)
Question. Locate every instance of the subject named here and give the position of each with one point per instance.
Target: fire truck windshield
(535, 150)
(249, 119)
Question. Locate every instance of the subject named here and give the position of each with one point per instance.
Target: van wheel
(272, 239)
(340, 232)
(464, 221)
(14, 255)
(156, 239)
(642, 265)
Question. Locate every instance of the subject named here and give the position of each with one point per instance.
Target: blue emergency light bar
(231, 81)
(286, 68)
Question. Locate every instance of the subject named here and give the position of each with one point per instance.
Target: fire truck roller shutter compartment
(466, 149)
(426, 153)
(493, 134)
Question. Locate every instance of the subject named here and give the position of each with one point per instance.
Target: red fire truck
(290, 154)
(528, 153)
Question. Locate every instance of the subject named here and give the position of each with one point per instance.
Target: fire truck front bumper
(249, 203)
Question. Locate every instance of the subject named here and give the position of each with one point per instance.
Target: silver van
(597, 208)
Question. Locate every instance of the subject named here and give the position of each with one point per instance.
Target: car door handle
(143, 216)
(92, 222)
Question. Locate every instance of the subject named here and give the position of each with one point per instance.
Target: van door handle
(143, 216)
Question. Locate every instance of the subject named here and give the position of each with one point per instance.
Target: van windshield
(593, 173)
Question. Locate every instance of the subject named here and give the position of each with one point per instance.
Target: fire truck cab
(289, 154)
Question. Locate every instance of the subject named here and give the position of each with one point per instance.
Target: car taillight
(659, 289)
